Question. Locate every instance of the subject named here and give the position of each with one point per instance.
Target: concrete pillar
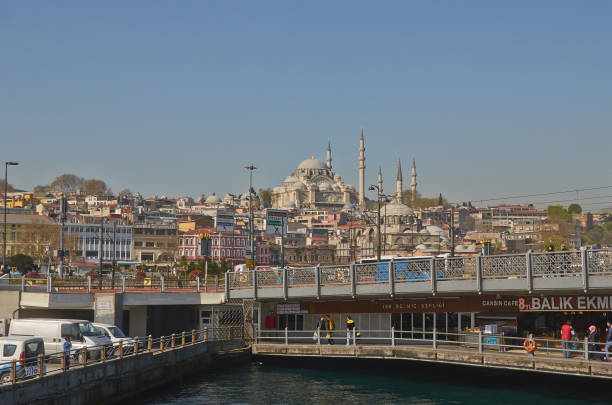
(138, 321)
(108, 308)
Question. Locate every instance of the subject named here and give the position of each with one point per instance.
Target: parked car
(24, 350)
(53, 331)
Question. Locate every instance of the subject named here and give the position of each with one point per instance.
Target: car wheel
(5, 378)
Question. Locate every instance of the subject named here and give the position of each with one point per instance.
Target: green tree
(608, 226)
(557, 212)
(22, 262)
(574, 209)
(265, 195)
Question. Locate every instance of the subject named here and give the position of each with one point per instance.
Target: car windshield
(116, 332)
(87, 329)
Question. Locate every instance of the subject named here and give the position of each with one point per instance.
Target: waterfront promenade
(468, 349)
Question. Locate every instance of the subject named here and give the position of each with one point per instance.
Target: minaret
(329, 166)
(361, 172)
(380, 183)
(413, 183)
(399, 182)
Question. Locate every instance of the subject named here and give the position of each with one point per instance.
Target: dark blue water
(287, 384)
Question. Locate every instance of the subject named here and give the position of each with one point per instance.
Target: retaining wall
(118, 379)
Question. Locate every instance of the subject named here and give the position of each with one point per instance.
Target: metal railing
(574, 268)
(478, 342)
(15, 371)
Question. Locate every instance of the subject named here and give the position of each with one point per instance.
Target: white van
(53, 331)
(112, 332)
(24, 350)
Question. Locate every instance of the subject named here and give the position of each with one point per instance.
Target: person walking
(350, 330)
(608, 340)
(530, 345)
(594, 350)
(321, 327)
(67, 346)
(330, 329)
(566, 334)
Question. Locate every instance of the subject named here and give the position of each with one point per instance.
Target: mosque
(314, 185)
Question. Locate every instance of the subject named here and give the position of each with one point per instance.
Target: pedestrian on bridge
(530, 345)
(350, 330)
(321, 326)
(330, 329)
(67, 346)
(567, 332)
(608, 341)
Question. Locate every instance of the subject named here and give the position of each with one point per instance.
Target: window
(33, 349)
(9, 350)
(72, 330)
(150, 244)
(149, 231)
(160, 232)
(138, 244)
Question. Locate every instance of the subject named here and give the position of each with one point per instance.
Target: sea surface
(347, 383)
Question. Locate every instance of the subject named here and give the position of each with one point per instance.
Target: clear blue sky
(174, 98)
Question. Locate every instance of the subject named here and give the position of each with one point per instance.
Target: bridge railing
(484, 270)
(574, 349)
(40, 366)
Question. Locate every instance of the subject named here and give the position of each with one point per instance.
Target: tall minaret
(329, 166)
(361, 172)
(398, 182)
(380, 182)
(413, 183)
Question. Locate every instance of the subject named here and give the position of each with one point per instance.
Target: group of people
(326, 325)
(567, 335)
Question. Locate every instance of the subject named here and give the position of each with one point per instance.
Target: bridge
(584, 270)
(464, 349)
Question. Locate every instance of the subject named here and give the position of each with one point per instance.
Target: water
(393, 383)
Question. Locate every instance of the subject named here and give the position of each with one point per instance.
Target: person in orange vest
(530, 345)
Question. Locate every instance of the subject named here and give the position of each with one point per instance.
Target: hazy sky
(175, 97)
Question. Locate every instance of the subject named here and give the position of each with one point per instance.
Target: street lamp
(250, 168)
(6, 165)
(379, 194)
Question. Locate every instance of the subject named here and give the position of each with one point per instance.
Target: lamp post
(6, 165)
(250, 168)
(379, 194)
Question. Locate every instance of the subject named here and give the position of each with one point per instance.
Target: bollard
(393, 336)
(172, 341)
(150, 343)
(286, 335)
(103, 353)
(120, 349)
(63, 362)
(197, 284)
(161, 344)
(182, 338)
(39, 363)
(206, 335)
(193, 336)
(586, 348)
(13, 371)
(84, 356)
(136, 345)
(479, 342)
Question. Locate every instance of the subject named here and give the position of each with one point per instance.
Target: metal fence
(41, 366)
(574, 349)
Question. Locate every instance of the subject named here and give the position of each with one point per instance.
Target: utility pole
(6, 165)
(100, 251)
(114, 254)
(62, 222)
(250, 168)
(452, 231)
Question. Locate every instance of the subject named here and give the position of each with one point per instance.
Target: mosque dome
(395, 209)
(213, 199)
(290, 179)
(312, 163)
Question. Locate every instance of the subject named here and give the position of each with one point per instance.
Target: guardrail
(572, 270)
(40, 366)
(457, 342)
(122, 284)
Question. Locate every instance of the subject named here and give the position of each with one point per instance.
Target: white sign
(276, 222)
(224, 221)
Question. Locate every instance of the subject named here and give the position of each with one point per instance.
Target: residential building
(154, 241)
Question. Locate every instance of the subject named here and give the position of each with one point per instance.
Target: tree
(40, 189)
(557, 213)
(126, 193)
(20, 261)
(9, 187)
(265, 195)
(68, 183)
(574, 209)
(95, 187)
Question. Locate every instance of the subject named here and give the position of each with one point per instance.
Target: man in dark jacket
(594, 350)
(608, 341)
